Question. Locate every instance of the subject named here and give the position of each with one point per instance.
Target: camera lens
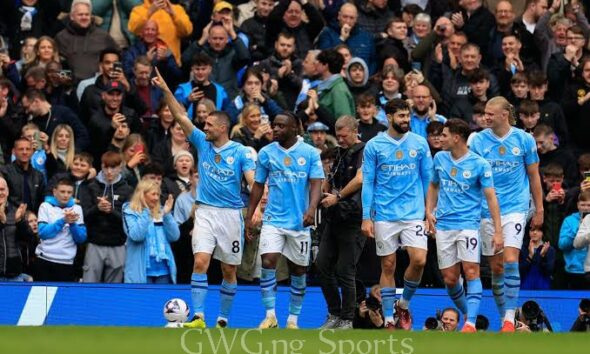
(431, 323)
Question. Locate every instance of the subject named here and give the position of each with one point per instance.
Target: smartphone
(65, 74)
(556, 186)
(37, 139)
(4, 50)
(587, 176)
(118, 66)
(264, 119)
(139, 148)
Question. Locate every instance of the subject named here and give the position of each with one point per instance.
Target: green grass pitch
(115, 340)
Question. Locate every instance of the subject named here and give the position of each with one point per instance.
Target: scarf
(156, 242)
(26, 22)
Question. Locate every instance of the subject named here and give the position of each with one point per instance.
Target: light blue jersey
(220, 171)
(396, 174)
(288, 172)
(418, 124)
(509, 157)
(461, 185)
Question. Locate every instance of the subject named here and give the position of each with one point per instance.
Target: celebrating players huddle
(473, 200)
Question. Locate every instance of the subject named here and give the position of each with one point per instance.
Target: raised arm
(177, 110)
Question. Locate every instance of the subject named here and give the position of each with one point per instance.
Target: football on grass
(176, 310)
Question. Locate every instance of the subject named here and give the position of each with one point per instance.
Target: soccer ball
(176, 311)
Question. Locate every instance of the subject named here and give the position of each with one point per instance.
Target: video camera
(534, 317)
(434, 323)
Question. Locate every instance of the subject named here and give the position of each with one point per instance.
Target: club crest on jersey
(399, 154)
(230, 160)
(217, 158)
(301, 161)
(413, 153)
(488, 174)
(453, 172)
(581, 93)
(466, 174)
(287, 161)
(515, 151)
(502, 150)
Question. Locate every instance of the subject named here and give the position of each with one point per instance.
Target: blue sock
(268, 283)
(226, 298)
(498, 291)
(474, 290)
(199, 288)
(297, 292)
(511, 285)
(410, 287)
(387, 300)
(457, 294)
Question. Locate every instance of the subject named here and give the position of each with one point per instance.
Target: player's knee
(418, 262)
(497, 267)
(471, 272)
(200, 265)
(269, 263)
(388, 266)
(450, 279)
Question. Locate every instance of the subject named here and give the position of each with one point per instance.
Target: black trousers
(340, 248)
(50, 271)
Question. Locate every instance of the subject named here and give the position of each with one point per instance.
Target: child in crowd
(537, 260)
(528, 114)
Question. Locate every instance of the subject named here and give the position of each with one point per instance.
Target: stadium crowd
(99, 180)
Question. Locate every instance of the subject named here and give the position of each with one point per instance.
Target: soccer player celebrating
(396, 172)
(455, 191)
(512, 153)
(218, 226)
(294, 173)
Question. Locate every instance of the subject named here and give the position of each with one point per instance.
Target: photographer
(582, 323)
(531, 318)
(446, 321)
(369, 314)
(342, 243)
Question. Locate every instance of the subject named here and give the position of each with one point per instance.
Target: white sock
(222, 319)
(292, 319)
(403, 303)
(509, 316)
(271, 313)
(200, 315)
(469, 323)
(388, 319)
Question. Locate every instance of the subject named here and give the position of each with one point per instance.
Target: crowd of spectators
(85, 136)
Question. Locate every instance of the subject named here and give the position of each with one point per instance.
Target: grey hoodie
(365, 68)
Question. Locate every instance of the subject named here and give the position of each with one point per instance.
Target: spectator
(200, 86)
(433, 46)
(150, 229)
(40, 143)
(28, 246)
(25, 21)
(157, 52)
(576, 106)
(27, 185)
(59, 89)
(81, 41)
(422, 26)
(135, 157)
(310, 75)
(228, 56)
(48, 116)
(357, 77)
(475, 20)
(333, 94)
(159, 128)
(581, 241)
(519, 88)
(319, 138)
(550, 33)
(153, 172)
(574, 258)
(252, 92)
(44, 52)
(373, 16)
(368, 125)
(61, 228)
(513, 62)
(175, 143)
(549, 154)
(391, 85)
(479, 85)
(148, 94)
(284, 67)
(105, 121)
(248, 9)
(204, 107)
(562, 67)
(533, 11)
(180, 180)
(80, 173)
(553, 202)
(255, 28)
(537, 260)
(449, 57)
(105, 12)
(105, 253)
(13, 225)
(360, 42)
(423, 111)
(61, 151)
(27, 53)
(184, 214)
(251, 131)
(172, 20)
(433, 136)
(287, 16)
(529, 115)
(346, 55)
(394, 44)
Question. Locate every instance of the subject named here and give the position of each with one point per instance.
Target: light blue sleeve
(171, 228)
(315, 165)
(136, 226)
(79, 232)
(435, 166)
(369, 175)
(426, 166)
(530, 154)
(50, 230)
(262, 167)
(475, 144)
(197, 139)
(248, 162)
(568, 232)
(486, 178)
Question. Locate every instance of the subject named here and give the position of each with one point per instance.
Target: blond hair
(70, 151)
(504, 105)
(138, 203)
(248, 109)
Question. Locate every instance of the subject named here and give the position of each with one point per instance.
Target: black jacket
(63, 115)
(11, 261)
(173, 185)
(255, 29)
(290, 84)
(105, 229)
(14, 175)
(553, 115)
(246, 138)
(163, 155)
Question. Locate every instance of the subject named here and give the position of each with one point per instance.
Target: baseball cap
(115, 86)
(222, 5)
(317, 127)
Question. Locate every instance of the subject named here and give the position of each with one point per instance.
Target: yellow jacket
(171, 28)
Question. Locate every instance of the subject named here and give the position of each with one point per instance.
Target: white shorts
(295, 245)
(454, 246)
(219, 231)
(391, 235)
(512, 228)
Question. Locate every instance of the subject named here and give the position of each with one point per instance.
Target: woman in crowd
(253, 130)
(174, 144)
(61, 151)
(179, 181)
(44, 51)
(390, 84)
(252, 92)
(204, 108)
(150, 229)
(135, 156)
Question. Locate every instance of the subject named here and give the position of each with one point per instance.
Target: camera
(372, 303)
(441, 28)
(434, 323)
(533, 317)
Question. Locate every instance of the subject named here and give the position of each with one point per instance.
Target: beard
(400, 129)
